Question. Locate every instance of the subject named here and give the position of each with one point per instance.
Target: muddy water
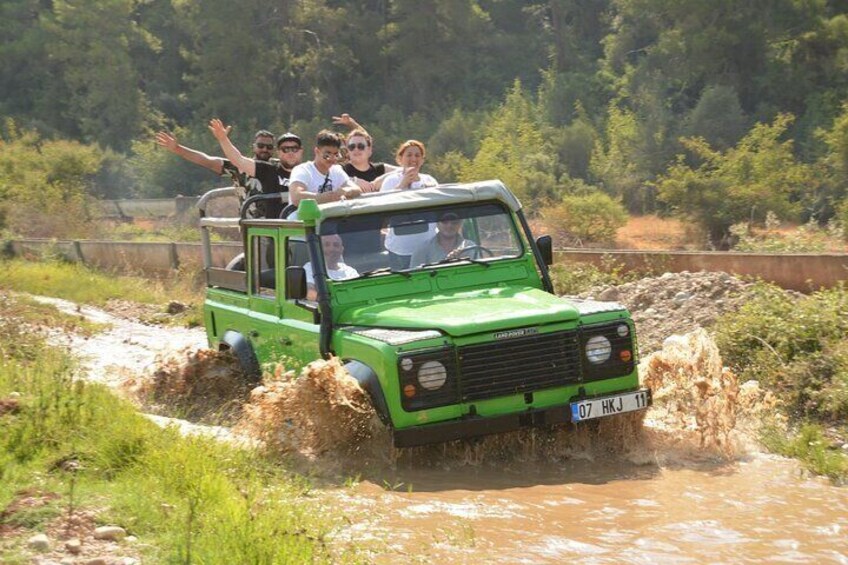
(687, 485)
(759, 509)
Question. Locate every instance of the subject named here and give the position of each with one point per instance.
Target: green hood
(465, 313)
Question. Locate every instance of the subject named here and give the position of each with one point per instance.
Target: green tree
(514, 150)
(617, 162)
(758, 175)
(717, 118)
(44, 184)
(91, 40)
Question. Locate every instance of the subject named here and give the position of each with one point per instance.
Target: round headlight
(598, 349)
(406, 364)
(622, 330)
(432, 375)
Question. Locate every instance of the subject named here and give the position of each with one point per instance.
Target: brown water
(686, 485)
(759, 509)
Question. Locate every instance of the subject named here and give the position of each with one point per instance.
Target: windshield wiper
(486, 264)
(382, 270)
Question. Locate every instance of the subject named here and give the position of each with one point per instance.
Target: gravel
(675, 303)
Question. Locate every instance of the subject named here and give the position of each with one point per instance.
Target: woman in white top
(410, 156)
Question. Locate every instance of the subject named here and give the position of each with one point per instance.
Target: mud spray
(700, 412)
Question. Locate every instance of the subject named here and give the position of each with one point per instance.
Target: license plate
(610, 405)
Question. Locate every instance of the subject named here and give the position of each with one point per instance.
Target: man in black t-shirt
(271, 177)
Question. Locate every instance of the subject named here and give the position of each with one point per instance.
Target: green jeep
(470, 344)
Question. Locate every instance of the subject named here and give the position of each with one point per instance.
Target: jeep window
(482, 233)
(262, 267)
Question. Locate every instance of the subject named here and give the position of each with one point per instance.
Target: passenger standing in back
(410, 156)
(322, 179)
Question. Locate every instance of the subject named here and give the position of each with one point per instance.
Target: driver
(333, 248)
(447, 243)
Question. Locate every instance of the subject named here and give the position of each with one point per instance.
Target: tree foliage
(44, 184)
(758, 175)
(608, 88)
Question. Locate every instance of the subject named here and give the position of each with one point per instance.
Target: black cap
(447, 216)
(289, 136)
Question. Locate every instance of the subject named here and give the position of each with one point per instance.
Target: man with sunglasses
(246, 185)
(271, 177)
(322, 178)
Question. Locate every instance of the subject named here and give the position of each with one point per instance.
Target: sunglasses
(264, 145)
(360, 146)
(289, 149)
(330, 156)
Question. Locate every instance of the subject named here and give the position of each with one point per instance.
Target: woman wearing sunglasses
(359, 167)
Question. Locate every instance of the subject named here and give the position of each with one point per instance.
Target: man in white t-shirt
(336, 270)
(322, 179)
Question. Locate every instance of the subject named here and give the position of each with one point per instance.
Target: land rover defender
(472, 343)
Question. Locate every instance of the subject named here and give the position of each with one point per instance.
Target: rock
(39, 542)
(609, 294)
(175, 307)
(128, 561)
(111, 533)
(15, 395)
(67, 561)
(681, 297)
(131, 539)
(649, 312)
(98, 561)
(73, 546)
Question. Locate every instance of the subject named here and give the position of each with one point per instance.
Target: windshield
(409, 240)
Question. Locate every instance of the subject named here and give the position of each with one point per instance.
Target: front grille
(519, 365)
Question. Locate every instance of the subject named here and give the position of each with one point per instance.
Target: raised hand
(218, 129)
(168, 141)
(345, 120)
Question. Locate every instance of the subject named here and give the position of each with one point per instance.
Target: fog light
(625, 355)
(409, 391)
(598, 349)
(432, 375)
(406, 364)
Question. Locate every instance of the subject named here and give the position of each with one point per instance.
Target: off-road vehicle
(472, 344)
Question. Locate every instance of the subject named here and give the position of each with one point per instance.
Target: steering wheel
(481, 251)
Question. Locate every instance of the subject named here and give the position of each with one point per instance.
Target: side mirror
(295, 283)
(546, 249)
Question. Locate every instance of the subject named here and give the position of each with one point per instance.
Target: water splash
(323, 413)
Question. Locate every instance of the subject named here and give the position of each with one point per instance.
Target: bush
(575, 278)
(591, 217)
(796, 347)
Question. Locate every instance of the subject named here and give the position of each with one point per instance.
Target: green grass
(84, 285)
(187, 499)
(811, 446)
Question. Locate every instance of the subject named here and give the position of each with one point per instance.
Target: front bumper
(478, 426)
